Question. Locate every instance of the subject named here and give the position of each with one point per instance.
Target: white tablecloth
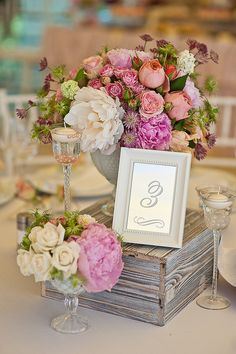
(25, 317)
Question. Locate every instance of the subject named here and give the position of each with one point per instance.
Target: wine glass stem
(71, 303)
(217, 236)
(67, 173)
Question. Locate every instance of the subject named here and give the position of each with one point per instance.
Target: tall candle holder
(66, 149)
(217, 205)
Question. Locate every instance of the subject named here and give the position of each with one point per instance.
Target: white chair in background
(225, 130)
(15, 133)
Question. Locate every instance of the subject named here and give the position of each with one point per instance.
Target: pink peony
(100, 261)
(95, 83)
(120, 58)
(155, 133)
(192, 91)
(152, 104)
(114, 89)
(107, 70)
(92, 66)
(181, 104)
(152, 74)
(130, 78)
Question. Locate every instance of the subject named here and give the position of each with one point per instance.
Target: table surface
(25, 317)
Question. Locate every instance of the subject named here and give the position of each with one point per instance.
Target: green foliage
(63, 106)
(179, 125)
(178, 84)
(210, 85)
(59, 72)
(25, 243)
(56, 274)
(167, 54)
(71, 226)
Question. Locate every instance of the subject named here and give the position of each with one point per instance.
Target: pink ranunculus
(92, 66)
(95, 83)
(152, 74)
(114, 89)
(100, 261)
(180, 141)
(181, 104)
(152, 104)
(107, 70)
(154, 133)
(130, 77)
(120, 58)
(192, 91)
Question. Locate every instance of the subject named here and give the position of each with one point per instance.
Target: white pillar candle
(65, 135)
(218, 201)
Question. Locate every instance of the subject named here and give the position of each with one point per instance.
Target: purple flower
(131, 119)
(214, 56)
(129, 139)
(211, 140)
(200, 152)
(43, 64)
(155, 133)
(146, 38)
(21, 113)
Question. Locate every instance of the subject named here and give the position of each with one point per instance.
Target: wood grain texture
(156, 282)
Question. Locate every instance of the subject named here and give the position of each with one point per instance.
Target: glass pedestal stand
(217, 204)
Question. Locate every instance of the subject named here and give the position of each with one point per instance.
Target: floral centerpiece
(74, 248)
(141, 98)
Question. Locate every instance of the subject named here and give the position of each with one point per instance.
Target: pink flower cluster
(155, 94)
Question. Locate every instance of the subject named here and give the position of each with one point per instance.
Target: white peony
(65, 258)
(46, 238)
(186, 62)
(41, 266)
(23, 260)
(98, 117)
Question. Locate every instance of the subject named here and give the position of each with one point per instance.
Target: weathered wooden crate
(156, 282)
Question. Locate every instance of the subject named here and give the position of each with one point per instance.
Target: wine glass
(217, 204)
(66, 149)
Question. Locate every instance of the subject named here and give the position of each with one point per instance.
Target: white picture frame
(151, 197)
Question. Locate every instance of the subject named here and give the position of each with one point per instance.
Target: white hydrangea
(186, 62)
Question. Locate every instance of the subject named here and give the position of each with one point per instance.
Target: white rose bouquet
(73, 248)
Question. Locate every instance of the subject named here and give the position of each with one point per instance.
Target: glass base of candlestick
(213, 303)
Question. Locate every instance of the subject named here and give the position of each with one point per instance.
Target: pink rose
(130, 77)
(180, 141)
(152, 104)
(100, 260)
(92, 66)
(181, 104)
(138, 88)
(107, 70)
(95, 83)
(114, 89)
(144, 56)
(72, 74)
(192, 91)
(120, 58)
(152, 74)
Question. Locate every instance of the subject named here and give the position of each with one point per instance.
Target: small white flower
(98, 117)
(85, 220)
(41, 266)
(46, 238)
(186, 62)
(23, 260)
(69, 89)
(65, 258)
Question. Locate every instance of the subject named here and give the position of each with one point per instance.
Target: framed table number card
(151, 196)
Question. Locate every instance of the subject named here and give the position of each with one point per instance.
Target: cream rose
(23, 260)
(46, 238)
(85, 220)
(41, 266)
(98, 117)
(65, 258)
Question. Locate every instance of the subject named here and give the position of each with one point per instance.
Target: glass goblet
(70, 322)
(66, 149)
(217, 204)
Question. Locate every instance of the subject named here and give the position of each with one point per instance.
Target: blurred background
(66, 31)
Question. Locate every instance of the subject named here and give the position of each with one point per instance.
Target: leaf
(178, 84)
(179, 125)
(80, 75)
